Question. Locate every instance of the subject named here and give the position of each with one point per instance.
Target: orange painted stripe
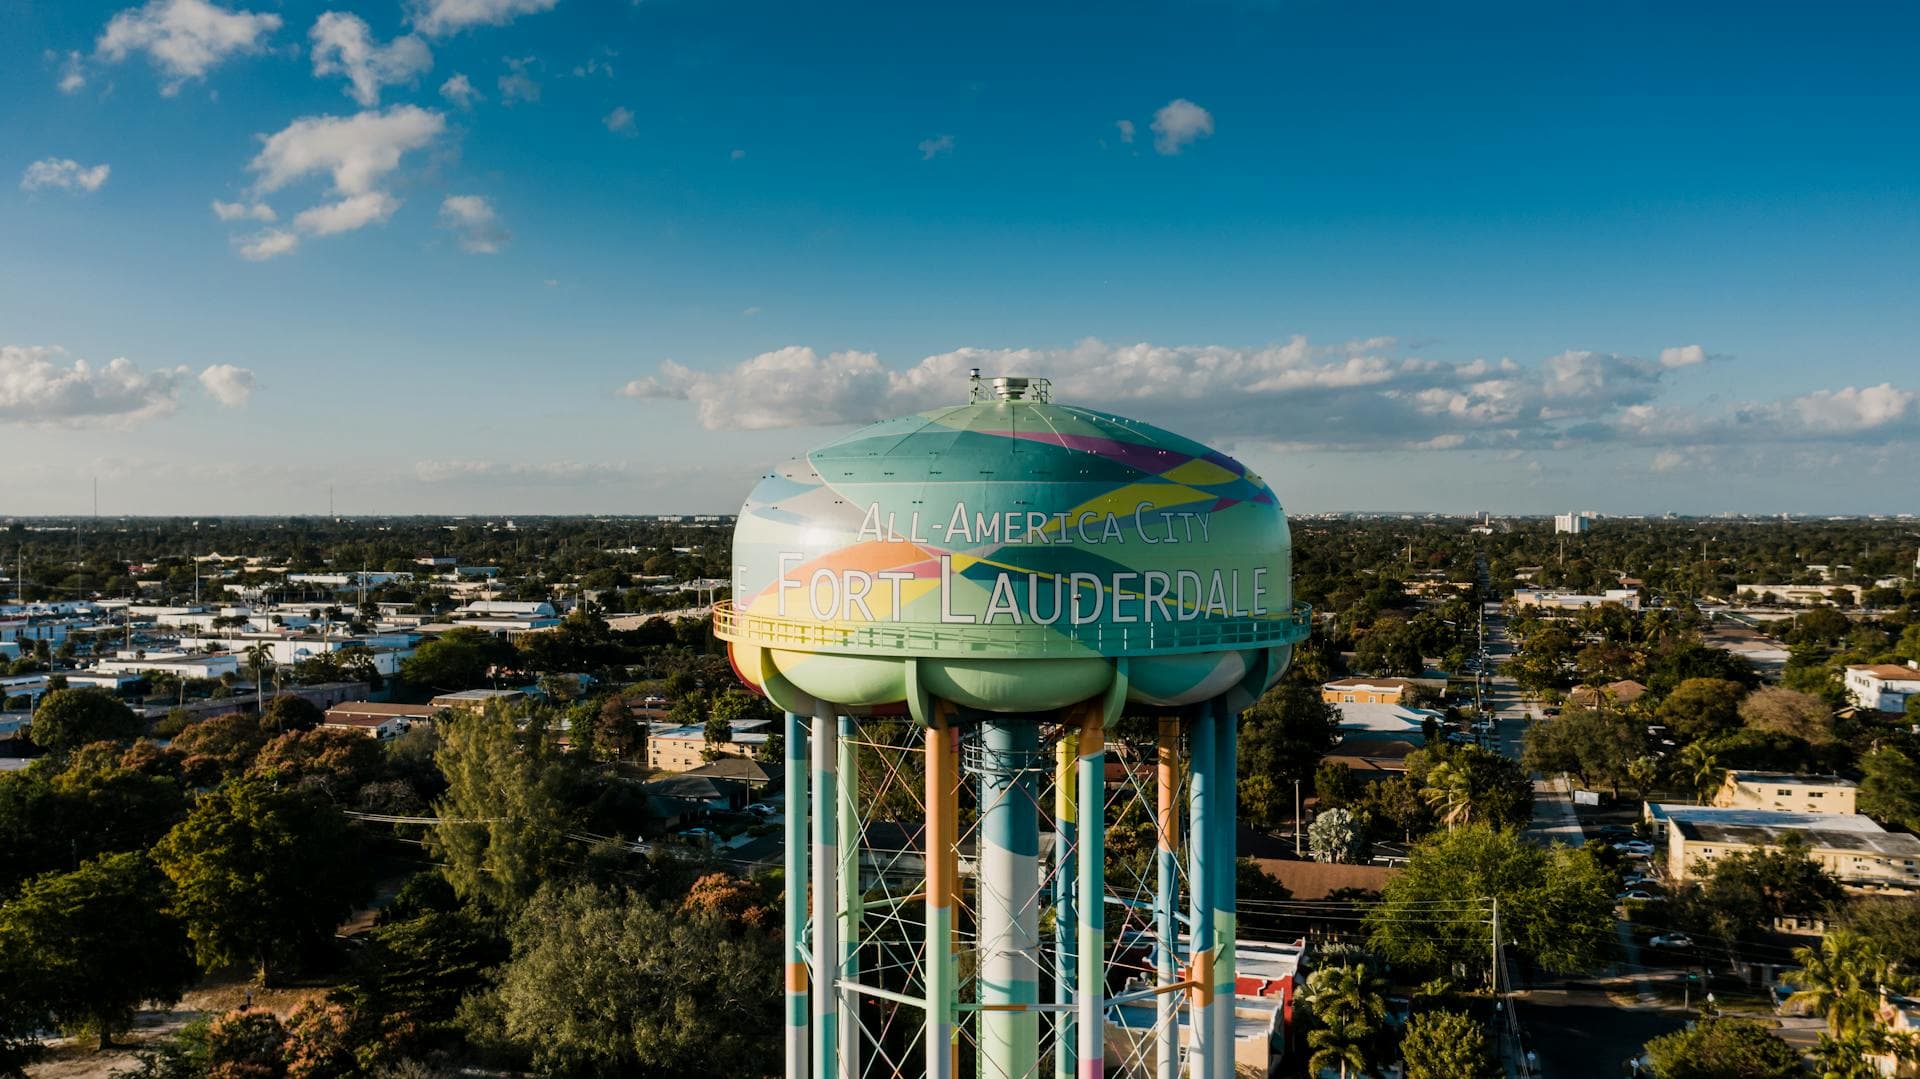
(796, 977)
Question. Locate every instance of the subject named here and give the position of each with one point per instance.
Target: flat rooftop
(1761, 818)
(1898, 844)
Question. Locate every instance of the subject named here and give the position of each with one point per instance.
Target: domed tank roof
(1011, 527)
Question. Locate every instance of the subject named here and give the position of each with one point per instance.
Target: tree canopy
(70, 718)
(1724, 1049)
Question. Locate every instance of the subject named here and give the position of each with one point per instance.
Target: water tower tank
(1016, 548)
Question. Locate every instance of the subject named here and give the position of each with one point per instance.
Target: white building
(184, 664)
(1574, 601)
(1883, 687)
(505, 617)
(1574, 523)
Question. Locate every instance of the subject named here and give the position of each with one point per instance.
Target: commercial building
(505, 618)
(682, 749)
(356, 711)
(1364, 722)
(381, 727)
(1367, 691)
(1786, 792)
(473, 700)
(1574, 601)
(1883, 687)
(1856, 851)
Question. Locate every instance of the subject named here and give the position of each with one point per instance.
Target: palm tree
(1348, 993)
(1449, 791)
(1848, 1057)
(1342, 1045)
(1700, 769)
(1840, 980)
(259, 658)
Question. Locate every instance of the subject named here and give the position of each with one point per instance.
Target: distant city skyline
(547, 256)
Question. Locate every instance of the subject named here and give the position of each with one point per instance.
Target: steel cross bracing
(968, 904)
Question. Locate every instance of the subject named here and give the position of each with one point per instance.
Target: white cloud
(937, 146)
(736, 155)
(473, 218)
(1682, 356)
(184, 38)
(40, 385)
(343, 45)
(619, 121)
(64, 173)
(266, 244)
(516, 84)
(1178, 123)
(1126, 130)
(356, 151)
(242, 211)
(459, 91)
(345, 215)
(73, 77)
(1360, 395)
(437, 17)
(231, 386)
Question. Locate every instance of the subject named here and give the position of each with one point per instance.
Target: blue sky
(1517, 257)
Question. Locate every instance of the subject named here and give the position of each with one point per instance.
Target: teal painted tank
(1011, 555)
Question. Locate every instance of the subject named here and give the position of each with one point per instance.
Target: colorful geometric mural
(1015, 529)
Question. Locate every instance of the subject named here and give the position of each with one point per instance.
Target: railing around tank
(1025, 640)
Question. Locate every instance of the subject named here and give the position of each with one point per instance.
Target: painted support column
(1008, 903)
(794, 929)
(943, 871)
(826, 901)
(1166, 897)
(1201, 883)
(1091, 984)
(1066, 918)
(1226, 760)
(852, 895)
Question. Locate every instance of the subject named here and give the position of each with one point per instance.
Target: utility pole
(1496, 947)
(1296, 818)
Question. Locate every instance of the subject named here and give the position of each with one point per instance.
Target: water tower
(954, 609)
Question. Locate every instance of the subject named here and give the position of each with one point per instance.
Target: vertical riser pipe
(1008, 903)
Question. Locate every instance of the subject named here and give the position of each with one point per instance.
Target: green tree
(1337, 836)
(1840, 980)
(1789, 712)
(70, 718)
(1702, 707)
(605, 984)
(504, 818)
(1347, 993)
(335, 764)
(219, 748)
(1335, 785)
(290, 713)
(259, 662)
(1446, 1045)
(1282, 737)
(1724, 1049)
(1341, 1046)
(1557, 903)
(1744, 894)
(457, 659)
(1599, 745)
(1890, 787)
(259, 873)
(98, 942)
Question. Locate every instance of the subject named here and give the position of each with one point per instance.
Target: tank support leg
(1201, 883)
(943, 867)
(1225, 762)
(826, 906)
(852, 895)
(1091, 985)
(1066, 925)
(794, 929)
(1166, 896)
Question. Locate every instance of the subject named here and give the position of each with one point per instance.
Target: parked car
(699, 835)
(1671, 940)
(764, 809)
(1639, 848)
(1640, 894)
(1635, 880)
